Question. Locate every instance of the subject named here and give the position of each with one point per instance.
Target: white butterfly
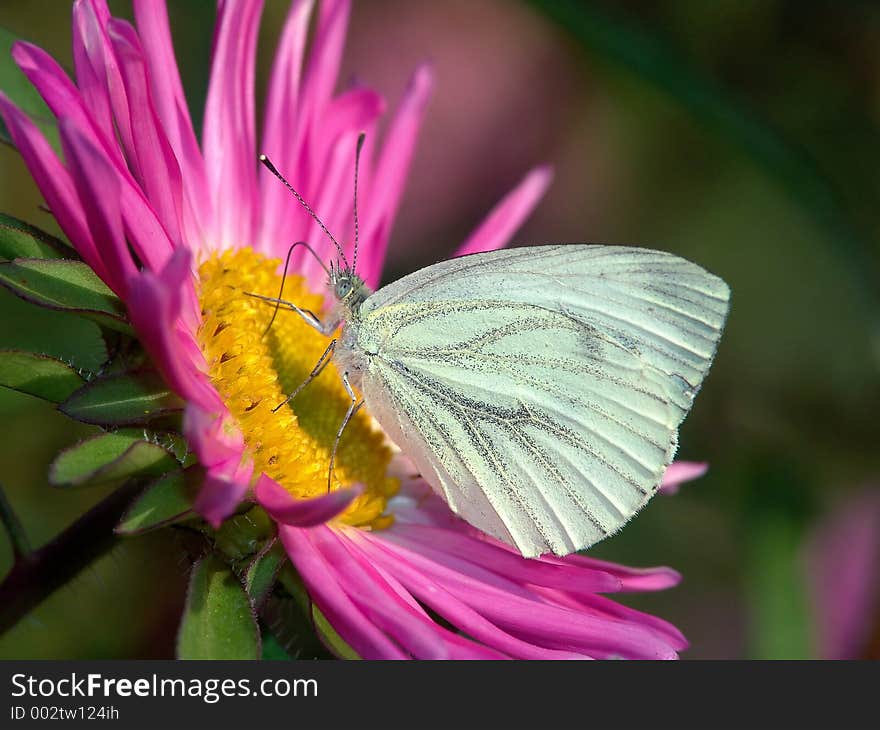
(538, 390)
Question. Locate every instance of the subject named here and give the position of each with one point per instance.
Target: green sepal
(244, 535)
(123, 400)
(38, 375)
(110, 458)
(286, 617)
(326, 637)
(20, 240)
(166, 501)
(261, 573)
(67, 286)
(333, 641)
(22, 93)
(218, 619)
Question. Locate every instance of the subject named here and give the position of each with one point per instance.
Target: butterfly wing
(539, 390)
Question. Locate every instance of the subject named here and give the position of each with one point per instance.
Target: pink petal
(59, 92)
(171, 107)
(225, 486)
(154, 304)
(410, 628)
(390, 175)
(631, 579)
(229, 142)
(437, 596)
(325, 59)
(605, 606)
(288, 510)
(679, 472)
(308, 143)
(540, 622)
(98, 187)
(89, 72)
(843, 562)
(154, 160)
(143, 229)
(151, 17)
(458, 647)
(346, 618)
(416, 504)
(212, 435)
(507, 216)
(54, 183)
(578, 581)
(97, 64)
(281, 126)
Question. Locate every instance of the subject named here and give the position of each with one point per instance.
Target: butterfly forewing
(539, 390)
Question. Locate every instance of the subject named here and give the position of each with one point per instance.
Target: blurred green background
(743, 134)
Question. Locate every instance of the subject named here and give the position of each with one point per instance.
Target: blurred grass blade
(15, 85)
(167, 500)
(218, 620)
(110, 458)
(65, 285)
(655, 61)
(38, 375)
(777, 512)
(21, 547)
(780, 618)
(124, 400)
(20, 240)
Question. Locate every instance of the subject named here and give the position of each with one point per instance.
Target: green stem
(37, 574)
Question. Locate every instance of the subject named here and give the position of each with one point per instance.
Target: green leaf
(16, 86)
(39, 375)
(167, 500)
(262, 572)
(110, 458)
(66, 337)
(218, 620)
(20, 240)
(123, 400)
(65, 285)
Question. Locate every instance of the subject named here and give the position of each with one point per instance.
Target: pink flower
(181, 231)
(842, 565)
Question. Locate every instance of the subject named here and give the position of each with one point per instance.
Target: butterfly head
(348, 288)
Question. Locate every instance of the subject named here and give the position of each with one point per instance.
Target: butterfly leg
(308, 316)
(353, 408)
(316, 371)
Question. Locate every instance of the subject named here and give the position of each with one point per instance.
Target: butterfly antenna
(280, 291)
(271, 168)
(357, 163)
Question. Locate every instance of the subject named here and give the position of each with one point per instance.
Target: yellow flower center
(254, 373)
